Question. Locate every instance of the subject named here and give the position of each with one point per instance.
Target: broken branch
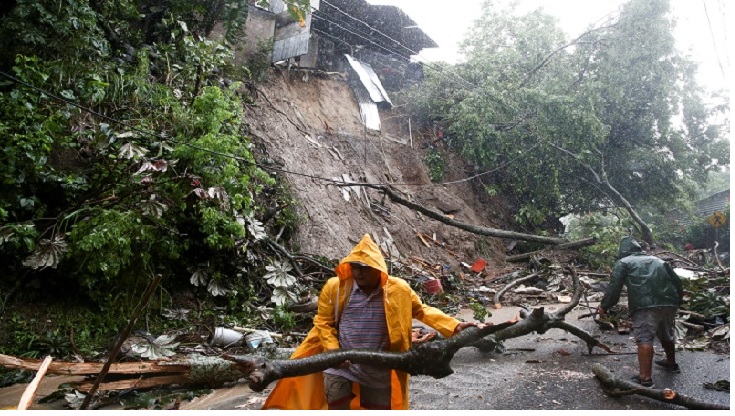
(30, 392)
(616, 386)
(492, 232)
(570, 245)
(430, 359)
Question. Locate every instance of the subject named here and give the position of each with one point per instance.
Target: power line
(424, 61)
(318, 14)
(714, 44)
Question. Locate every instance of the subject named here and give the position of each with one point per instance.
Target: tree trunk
(616, 196)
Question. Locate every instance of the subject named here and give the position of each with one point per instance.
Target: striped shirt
(363, 325)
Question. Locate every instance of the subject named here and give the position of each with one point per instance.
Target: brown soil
(291, 105)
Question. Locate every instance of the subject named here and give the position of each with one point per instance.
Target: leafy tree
(613, 116)
(124, 153)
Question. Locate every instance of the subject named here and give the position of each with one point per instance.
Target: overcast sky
(699, 33)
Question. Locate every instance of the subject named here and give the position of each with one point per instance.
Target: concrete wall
(259, 27)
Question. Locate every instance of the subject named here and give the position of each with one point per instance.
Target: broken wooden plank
(30, 392)
(135, 383)
(83, 369)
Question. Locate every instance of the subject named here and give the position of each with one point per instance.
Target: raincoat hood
(401, 304)
(628, 246)
(367, 253)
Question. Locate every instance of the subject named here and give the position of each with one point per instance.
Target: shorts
(339, 392)
(654, 322)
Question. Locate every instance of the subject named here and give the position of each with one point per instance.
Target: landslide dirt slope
(292, 105)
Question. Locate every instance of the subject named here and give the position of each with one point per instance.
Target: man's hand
(463, 325)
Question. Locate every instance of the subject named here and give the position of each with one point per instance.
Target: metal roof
(368, 109)
(370, 80)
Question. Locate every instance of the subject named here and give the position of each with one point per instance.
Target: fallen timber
(431, 358)
(617, 387)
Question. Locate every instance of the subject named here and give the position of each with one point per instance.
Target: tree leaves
(524, 85)
(161, 347)
(132, 151)
(48, 253)
(282, 281)
(278, 275)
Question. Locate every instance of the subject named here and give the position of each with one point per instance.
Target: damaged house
(372, 43)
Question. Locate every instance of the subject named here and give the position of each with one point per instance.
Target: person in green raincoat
(361, 307)
(654, 295)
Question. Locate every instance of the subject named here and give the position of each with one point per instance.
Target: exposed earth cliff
(309, 124)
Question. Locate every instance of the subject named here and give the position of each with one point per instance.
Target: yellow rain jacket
(402, 304)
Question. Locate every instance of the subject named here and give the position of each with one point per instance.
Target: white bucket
(224, 337)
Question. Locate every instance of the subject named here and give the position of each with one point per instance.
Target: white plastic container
(224, 337)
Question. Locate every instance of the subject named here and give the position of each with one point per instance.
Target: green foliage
(54, 344)
(260, 62)
(557, 122)
(10, 377)
(479, 312)
(435, 162)
(708, 296)
(155, 175)
(530, 214)
(53, 28)
(284, 319)
(607, 229)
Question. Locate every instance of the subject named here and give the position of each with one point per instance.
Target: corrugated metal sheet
(703, 208)
(376, 81)
(368, 109)
(291, 47)
(369, 79)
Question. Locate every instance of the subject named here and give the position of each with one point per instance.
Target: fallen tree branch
(314, 262)
(501, 292)
(431, 358)
(679, 256)
(288, 255)
(570, 245)
(540, 322)
(617, 387)
(491, 232)
(200, 370)
(26, 400)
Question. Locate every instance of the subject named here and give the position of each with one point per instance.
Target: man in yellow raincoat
(374, 310)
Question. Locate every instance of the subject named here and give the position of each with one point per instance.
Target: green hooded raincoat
(651, 282)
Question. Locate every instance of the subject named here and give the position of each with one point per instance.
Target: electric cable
(714, 44)
(416, 53)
